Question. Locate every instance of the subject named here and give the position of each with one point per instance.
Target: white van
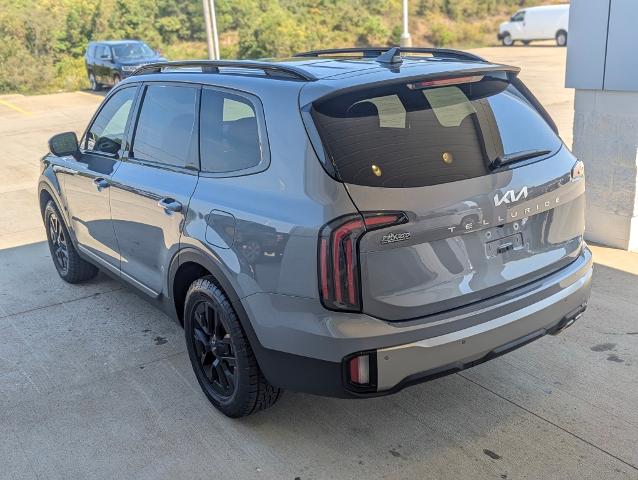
(536, 23)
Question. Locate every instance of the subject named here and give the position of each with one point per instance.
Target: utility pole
(406, 39)
(209, 30)
(213, 21)
(212, 39)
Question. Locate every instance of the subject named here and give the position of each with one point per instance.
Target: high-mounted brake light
(440, 82)
(339, 258)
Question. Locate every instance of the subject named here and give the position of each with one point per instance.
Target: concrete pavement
(96, 383)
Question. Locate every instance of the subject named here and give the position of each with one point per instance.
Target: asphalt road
(95, 382)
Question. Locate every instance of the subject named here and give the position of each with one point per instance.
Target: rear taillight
(339, 257)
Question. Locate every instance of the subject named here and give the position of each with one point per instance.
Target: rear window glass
(396, 136)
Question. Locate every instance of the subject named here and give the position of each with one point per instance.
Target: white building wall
(602, 64)
(606, 139)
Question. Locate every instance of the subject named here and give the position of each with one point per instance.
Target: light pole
(406, 39)
(212, 39)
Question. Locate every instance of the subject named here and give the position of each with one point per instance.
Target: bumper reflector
(359, 368)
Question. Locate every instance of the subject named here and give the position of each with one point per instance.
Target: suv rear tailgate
(463, 248)
(438, 151)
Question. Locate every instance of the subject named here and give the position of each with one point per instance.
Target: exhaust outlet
(568, 320)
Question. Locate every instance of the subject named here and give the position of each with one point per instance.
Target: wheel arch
(49, 189)
(191, 263)
(188, 265)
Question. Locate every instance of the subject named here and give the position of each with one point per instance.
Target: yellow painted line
(14, 107)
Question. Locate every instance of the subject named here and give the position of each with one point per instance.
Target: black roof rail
(213, 66)
(373, 52)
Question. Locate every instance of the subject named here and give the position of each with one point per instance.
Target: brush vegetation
(42, 42)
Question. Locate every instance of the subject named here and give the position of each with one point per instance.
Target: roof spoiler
(509, 70)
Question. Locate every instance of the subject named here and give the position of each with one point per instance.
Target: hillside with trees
(42, 41)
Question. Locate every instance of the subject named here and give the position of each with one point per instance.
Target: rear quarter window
(230, 138)
(396, 136)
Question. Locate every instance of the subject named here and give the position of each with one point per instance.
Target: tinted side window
(229, 133)
(107, 130)
(166, 125)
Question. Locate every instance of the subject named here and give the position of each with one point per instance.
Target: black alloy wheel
(220, 353)
(214, 348)
(67, 262)
(58, 243)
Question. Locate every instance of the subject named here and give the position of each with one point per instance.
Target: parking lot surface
(96, 383)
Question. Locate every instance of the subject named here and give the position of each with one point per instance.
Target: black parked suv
(343, 223)
(109, 62)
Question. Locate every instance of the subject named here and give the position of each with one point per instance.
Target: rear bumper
(406, 364)
(302, 348)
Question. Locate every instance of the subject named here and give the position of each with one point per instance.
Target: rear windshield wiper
(499, 161)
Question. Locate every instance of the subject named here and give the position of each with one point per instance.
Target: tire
(561, 38)
(93, 83)
(70, 266)
(220, 354)
(507, 40)
(526, 42)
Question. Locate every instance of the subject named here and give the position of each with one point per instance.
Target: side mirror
(105, 56)
(64, 145)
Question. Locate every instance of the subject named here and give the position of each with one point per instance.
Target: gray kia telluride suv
(343, 222)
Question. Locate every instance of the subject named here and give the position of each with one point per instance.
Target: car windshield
(132, 50)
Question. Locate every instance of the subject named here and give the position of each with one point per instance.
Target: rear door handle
(170, 205)
(100, 183)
